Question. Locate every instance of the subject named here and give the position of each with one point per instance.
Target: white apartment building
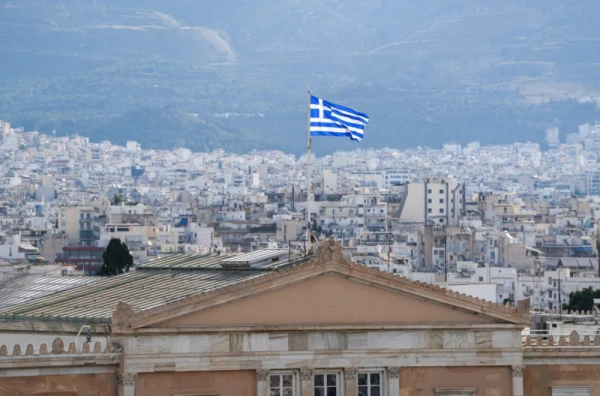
(395, 177)
(330, 182)
(545, 292)
(436, 201)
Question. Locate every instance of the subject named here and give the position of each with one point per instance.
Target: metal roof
(260, 258)
(25, 288)
(153, 284)
(264, 259)
(187, 261)
(95, 302)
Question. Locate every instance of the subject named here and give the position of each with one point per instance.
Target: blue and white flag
(330, 119)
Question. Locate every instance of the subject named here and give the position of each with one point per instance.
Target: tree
(117, 199)
(116, 258)
(582, 300)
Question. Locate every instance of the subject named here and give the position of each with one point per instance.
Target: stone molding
(455, 391)
(329, 253)
(517, 371)
(262, 375)
(394, 372)
(126, 379)
(306, 374)
(350, 373)
(523, 307)
(123, 313)
(58, 348)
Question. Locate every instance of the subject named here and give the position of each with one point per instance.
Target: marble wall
(323, 341)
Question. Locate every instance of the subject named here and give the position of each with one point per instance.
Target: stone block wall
(59, 369)
(423, 381)
(539, 379)
(63, 385)
(222, 383)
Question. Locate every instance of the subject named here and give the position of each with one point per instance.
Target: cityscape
(495, 225)
(300, 198)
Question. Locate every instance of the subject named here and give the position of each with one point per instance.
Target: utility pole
(389, 243)
(445, 256)
(598, 254)
(559, 295)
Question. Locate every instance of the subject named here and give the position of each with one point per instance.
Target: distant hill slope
(426, 72)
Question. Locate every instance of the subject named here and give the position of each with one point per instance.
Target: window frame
(295, 385)
(579, 389)
(463, 391)
(586, 389)
(340, 391)
(382, 380)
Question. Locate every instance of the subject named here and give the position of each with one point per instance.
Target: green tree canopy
(116, 258)
(582, 300)
(117, 199)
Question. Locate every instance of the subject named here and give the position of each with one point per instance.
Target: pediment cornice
(329, 258)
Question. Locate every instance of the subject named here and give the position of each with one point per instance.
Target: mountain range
(234, 73)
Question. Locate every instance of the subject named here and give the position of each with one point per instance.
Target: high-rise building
(552, 137)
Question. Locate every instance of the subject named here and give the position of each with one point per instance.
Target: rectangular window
(429, 191)
(429, 200)
(369, 384)
(571, 390)
(326, 385)
(441, 200)
(429, 210)
(441, 210)
(281, 385)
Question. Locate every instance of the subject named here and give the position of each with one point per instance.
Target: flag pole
(308, 178)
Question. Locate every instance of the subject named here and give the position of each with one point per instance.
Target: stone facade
(328, 324)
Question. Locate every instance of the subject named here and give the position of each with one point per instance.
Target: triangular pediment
(329, 290)
(327, 299)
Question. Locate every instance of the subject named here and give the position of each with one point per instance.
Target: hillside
(426, 72)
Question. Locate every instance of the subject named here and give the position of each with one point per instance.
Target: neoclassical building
(322, 326)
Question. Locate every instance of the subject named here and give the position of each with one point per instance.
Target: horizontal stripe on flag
(330, 119)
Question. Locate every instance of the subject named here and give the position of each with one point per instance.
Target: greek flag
(330, 119)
